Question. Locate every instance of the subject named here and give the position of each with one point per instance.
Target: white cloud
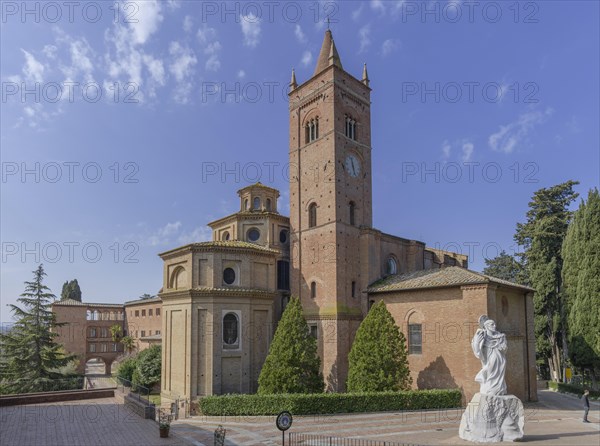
(33, 70)
(389, 45)
(365, 39)
(299, 34)
(467, 151)
(510, 135)
(241, 74)
(446, 148)
(211, 47)
(205, 34)
(199, 234)
(183, 61)
(148, 18)
(357, 12)
(156, 68)
(306, 58)
(378, 6)
(50, 51)
(251, 29)
(188, 23)
(182, 65)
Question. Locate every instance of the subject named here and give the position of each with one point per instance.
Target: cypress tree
(542, 237)
(378, 359)
(71, 290)
(581, 279)
(292, 365)
(31, 359)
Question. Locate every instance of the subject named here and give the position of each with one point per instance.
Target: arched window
(313, 290)
(268, 204)
(89, 315)
(179, 278)
(312, 130)
(352, 208)
(256, 205)
(246, 204)
(225, 236)
(350, 128)
(391, 266)
(312, 215)
(230, 330)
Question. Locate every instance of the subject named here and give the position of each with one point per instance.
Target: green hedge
(570, 388)
(328, 403)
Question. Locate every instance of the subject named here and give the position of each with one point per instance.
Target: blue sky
(110, 128)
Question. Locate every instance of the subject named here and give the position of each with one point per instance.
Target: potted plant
(164, 423)
(163, 428)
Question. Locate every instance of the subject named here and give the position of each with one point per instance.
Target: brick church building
(222, 299)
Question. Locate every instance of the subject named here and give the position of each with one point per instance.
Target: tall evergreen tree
(32, 359)
(292, 365)
(581, 279)
(505, 267)
(542, 236)
(378, 360)
(71, 290)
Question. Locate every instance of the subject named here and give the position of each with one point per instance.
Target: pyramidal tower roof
(328, 55)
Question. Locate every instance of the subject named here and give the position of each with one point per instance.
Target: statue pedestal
(492, 418)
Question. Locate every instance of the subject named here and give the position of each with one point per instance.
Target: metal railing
(141, 393)
(299, 439)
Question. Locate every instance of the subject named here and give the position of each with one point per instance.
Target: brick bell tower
(330, 201)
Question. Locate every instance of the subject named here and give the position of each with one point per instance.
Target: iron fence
(141, 393)
(300, 439)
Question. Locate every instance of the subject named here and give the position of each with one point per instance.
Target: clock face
(352, 166)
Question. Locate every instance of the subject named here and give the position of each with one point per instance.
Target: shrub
(292, 365)
(571, 388)
(126, 368)
(328, 403)
(147, 367)
(378, 359)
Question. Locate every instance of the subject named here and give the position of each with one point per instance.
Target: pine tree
(542, 237)
(71, 290)
(31, 359)
(378, 359)
(505, 267)
(292, 365)
(581, 279)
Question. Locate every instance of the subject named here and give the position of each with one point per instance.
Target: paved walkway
(96, 422)
(554, 420)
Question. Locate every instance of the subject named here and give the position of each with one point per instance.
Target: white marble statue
(492, 415)
(489, 346)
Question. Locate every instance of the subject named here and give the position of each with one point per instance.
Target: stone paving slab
(96, 422)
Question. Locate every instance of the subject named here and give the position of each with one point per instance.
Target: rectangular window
(92, 348)
(114, 347)
(353, 289)
(143, 313)
(137, 313)
(157, 332)
(104, 332)
(92, 332)
(104, 347)
(314, 331)
(158, 311)
(283, 275)
(143, 333)
(415, 339)
(150, 312)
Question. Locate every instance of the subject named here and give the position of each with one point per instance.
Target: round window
(253, 234)
(283, 236)
(228, 276)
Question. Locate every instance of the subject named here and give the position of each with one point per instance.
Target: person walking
(586, 405)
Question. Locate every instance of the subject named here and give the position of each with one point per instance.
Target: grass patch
(154, 399)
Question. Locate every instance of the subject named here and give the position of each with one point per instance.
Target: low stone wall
(140, 407)
(53, 397)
